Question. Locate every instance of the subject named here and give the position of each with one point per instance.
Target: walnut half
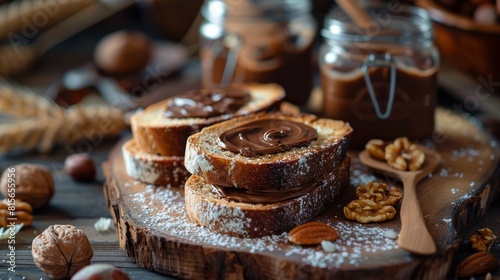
(22, 212)
(404, 155)
(368, 211)
(483, 240)
(376, 149)
(379, 192)
(61, 250)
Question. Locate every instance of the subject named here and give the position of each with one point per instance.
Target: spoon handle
(414, 236)
(356, 12)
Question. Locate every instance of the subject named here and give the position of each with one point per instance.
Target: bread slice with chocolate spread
(206, 157)
(153, 169)
(206, 205)
(161, 132)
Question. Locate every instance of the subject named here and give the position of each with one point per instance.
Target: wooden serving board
(154, 230)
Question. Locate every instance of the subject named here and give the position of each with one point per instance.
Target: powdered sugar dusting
(360, 243)
(196, 163)
(234, 218)
(164, 210)
(135, 170)
(153, 169)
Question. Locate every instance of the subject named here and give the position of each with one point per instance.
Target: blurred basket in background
(470, 47)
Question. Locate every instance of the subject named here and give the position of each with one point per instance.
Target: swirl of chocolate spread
(262, 197)
(267, 136)
(206, 103)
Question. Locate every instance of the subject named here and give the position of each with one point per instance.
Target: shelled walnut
(483, 240)
(61, 250)
(20, 210)
(368, 211)
(379, 193)
(376, 149)
(404, 155)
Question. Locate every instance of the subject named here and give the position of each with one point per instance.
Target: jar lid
(399, 23)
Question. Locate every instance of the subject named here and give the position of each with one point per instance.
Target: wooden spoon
(414, 236)
(356, 12)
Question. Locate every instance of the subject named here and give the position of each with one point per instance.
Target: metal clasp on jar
(380, 60)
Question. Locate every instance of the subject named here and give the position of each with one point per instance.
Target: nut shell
(34, 184)
(61, 250)
(80, 167)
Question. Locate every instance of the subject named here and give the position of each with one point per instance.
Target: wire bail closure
(380, 60)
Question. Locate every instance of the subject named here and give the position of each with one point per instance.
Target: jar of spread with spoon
(258, 41)
(380, 78)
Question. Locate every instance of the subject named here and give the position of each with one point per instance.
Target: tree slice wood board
(154, 230)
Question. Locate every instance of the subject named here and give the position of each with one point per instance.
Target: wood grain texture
(413, 235)
(153, 229)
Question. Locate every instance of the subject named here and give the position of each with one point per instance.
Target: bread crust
(257, 220)
(152, 169)
(280, 171)
(158, 135)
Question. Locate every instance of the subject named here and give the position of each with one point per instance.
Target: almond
(476, 264)
(312, 234)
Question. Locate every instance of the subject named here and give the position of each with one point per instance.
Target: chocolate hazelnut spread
(259, 42)
(383, 83)
(267, 136)
(206, 103)
(346, 97)
(263, 196)
(289, 67)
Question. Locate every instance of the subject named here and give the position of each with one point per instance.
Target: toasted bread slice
(283, 170)
(153, 169)
(256, 220)
(160, 135)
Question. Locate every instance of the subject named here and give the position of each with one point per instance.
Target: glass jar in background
(258, 41)
(173, 18)
(381, 79)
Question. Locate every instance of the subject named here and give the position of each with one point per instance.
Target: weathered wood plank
(155, 232)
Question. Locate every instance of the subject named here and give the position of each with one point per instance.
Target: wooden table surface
(82, 204)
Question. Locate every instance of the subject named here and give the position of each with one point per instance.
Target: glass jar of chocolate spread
(382, 78)
(258, 41)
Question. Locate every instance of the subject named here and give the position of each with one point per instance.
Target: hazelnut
(61, 250)
(100, 272)
(123, 52)
(81, 167)
(32, 183)
(485, 14)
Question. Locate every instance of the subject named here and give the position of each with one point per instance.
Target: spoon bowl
(414, 236)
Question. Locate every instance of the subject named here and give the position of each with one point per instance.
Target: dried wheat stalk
(14, 60)
(36, 123)
(25, 18)
(18, 101)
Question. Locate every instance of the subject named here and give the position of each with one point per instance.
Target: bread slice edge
(257, 220)
(153, 169)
